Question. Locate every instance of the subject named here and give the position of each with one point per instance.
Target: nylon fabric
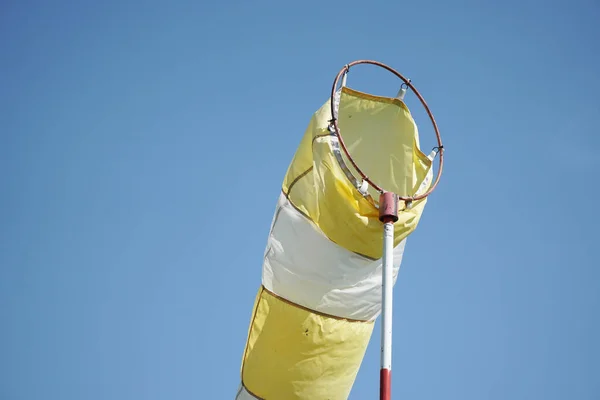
(321, 275)
(318, 187)
(302, 265)
(293, 353)
(243, 394)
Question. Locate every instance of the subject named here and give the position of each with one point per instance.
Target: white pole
(388, 214)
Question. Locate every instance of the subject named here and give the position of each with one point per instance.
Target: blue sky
(142, 149)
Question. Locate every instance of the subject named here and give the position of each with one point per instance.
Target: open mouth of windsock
(382, 137)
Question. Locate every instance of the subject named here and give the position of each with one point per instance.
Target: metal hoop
(406, 82)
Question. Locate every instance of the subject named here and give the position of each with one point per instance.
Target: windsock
(314, 313)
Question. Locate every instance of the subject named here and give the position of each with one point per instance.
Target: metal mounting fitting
(388, 207)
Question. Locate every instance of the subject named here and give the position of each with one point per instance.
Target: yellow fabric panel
(382, 137)
(379, 133)
(292, 353)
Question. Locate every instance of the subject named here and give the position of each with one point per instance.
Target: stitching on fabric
(322, 314)
(319, 229)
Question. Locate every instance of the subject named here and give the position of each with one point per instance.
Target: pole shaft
(387, 304)
(388, 214)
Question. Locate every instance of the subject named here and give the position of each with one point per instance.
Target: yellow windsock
(322, 271)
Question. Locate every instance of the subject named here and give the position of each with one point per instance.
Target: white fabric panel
(302, 265)
(243, 394)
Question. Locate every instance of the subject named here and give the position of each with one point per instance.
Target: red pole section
(388, 214)
(388, 207)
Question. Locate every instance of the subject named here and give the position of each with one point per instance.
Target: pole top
(388, 207)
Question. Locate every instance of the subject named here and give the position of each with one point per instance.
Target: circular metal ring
(406, 82)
